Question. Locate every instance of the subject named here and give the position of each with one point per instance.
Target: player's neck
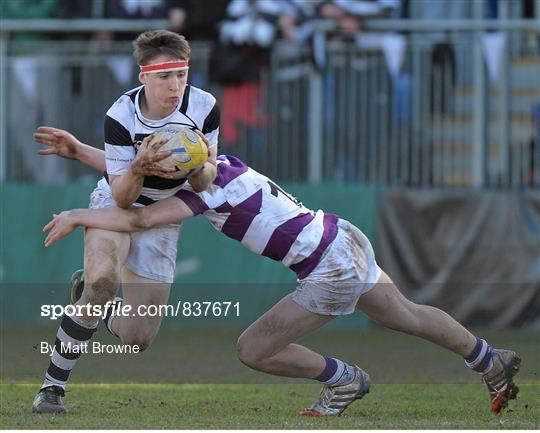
(151, 110)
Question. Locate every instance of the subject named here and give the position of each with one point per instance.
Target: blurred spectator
(534, 166)
(196, 19)
(349, 14)
(245, 39)
(529, 8)
(297, 22)
(27, 69)
(443, 55)
(76, 9)
(27, 9)
(449, 66)
(135, 9)
(131, 9)
(315, 20)
(251, 22)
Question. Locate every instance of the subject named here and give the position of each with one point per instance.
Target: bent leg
(141, 326)
(266, 345)
(104, 255)
(387, 306)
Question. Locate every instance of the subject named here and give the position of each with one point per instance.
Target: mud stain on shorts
(333, 305)
(336, 269)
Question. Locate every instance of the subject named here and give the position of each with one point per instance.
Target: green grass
(266, 407)
(182, 355)
(416, 385)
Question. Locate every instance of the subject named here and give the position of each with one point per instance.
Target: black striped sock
(111, 313)
(71, 340)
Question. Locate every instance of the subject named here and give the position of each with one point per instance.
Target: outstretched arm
(66, 145)
(163, 212)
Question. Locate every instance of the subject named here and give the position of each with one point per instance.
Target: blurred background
(417, 120)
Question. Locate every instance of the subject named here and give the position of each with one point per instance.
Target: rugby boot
(77, 285)
(499, 379)
(333, 400)
(49, 400)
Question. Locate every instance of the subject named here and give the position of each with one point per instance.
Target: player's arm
(204, 177)
(167, 211)
(126, 188)
(66, 145)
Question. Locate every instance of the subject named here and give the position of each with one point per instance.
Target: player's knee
(242, 351)
(246, 353)
(141, 341)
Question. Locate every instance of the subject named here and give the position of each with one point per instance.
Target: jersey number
(275, 189)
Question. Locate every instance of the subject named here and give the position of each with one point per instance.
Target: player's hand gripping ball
(189, 151)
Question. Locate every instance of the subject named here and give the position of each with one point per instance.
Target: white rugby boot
(333, 400)
(499, 379)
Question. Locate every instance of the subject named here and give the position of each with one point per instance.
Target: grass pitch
(416, 385)
(388, 406)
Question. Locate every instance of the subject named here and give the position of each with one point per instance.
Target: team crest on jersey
(170, 130)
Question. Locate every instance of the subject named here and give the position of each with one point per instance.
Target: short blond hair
(155, 42)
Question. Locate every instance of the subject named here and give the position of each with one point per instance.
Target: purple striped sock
(481, 358)
(329, 370)
(476, 351)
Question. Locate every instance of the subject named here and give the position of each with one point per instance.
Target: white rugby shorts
(152, 253)
(346, 271)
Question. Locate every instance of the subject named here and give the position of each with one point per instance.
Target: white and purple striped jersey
(249, 207)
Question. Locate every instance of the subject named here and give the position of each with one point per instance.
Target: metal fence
(441, 120)
(438, 122)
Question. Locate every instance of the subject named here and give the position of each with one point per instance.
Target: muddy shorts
(152, 253)
(347, 270)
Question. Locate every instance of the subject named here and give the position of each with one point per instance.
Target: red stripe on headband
(162, 66)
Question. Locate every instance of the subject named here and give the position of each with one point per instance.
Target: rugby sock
(481, 358)
(111, 312)
(336, 372)
(71, 340)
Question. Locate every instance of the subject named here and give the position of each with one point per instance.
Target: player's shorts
(346, 271)
(152, 253)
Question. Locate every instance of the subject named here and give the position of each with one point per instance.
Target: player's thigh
(385, 304)
(104, 252)
(285, 323)
(153, 253)
(147, 298)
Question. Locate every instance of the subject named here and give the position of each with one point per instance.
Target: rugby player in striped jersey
(142, 262)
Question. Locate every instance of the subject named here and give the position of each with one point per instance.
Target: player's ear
(142, 78)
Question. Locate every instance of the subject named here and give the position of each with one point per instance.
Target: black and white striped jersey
(125, 127)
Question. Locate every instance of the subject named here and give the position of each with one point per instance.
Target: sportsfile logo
(53, 312)
(180, 309)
